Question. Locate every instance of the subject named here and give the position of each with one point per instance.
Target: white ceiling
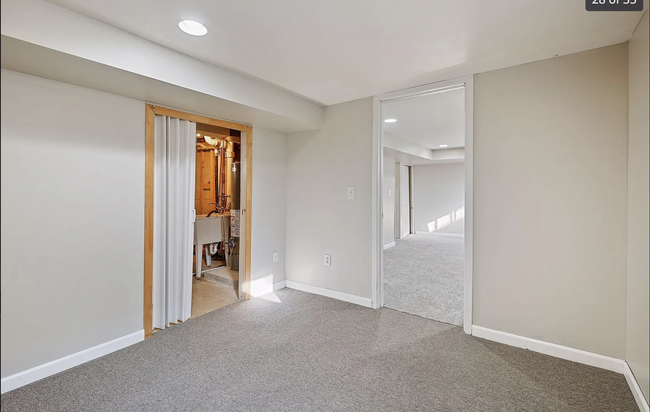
(339, 50)
(430, 121)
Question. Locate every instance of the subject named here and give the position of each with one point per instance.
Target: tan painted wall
(72, 261)
(550, 178)
(638, 206)
(321, 164)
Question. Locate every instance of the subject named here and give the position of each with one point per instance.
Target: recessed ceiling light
(390, 120)
(192, 27)
(443, 145)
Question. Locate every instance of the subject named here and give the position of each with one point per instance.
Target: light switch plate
(276, 257)
(328, 260)
(390, 193)
(351, 192)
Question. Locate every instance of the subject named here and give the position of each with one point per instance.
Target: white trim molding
(59, 365)
(551, 349)
(567, 353)
(636, 389)
(390, 245)
(357, 300)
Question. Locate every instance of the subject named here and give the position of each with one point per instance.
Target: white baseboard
(390, 245)
(572, 354)
(636, 389)
(420, 232)
(358, 300)
(59, 365)
(552, 349)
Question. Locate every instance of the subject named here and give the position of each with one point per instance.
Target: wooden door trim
(150, 112)
(149, 128)
(197, 118)
(246, 287)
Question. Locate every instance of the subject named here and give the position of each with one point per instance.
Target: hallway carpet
(423, 276)
(292, 351)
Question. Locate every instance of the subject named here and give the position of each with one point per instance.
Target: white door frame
(378, 184)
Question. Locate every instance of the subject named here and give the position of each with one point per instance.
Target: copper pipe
(229, 160)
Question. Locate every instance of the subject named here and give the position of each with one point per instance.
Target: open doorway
(217, 224)
(424, 149)
(183, 152)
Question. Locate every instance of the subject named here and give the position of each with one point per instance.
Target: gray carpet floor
(311, 353)
(423, 276)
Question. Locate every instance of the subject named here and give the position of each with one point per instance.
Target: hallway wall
(439, 198)
(389, 200)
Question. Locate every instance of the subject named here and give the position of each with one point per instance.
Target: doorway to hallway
(424, 168)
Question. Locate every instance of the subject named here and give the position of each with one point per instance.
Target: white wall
(638, 270)
(268, 217)
(439, 198)
(389, 200)
(404, 214)
(550, 200)
(320, 219)
(72, 162)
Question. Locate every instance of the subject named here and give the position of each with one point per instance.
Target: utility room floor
(208, 296)
(222, 276)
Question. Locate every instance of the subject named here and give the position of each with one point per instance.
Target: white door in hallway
(405, 201)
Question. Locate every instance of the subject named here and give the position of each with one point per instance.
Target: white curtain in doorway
(174, 175)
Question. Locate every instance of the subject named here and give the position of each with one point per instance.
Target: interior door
(405, 201)
(173, 219)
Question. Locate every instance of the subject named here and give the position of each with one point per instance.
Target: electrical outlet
(351, 192)
(276, 257)
(328, 260)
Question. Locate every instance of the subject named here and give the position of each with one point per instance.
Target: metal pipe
(217, 176)
(235, 189)
(229, 159)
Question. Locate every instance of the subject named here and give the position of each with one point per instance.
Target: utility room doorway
(198, 197)
(218, 215)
